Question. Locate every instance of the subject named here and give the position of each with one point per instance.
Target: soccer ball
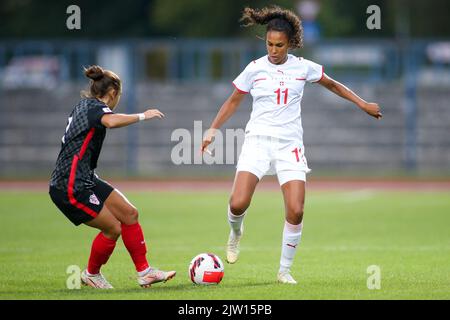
(206, 268)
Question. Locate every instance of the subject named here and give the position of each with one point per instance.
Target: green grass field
(405, 233)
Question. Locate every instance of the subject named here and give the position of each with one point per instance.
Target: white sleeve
(244, 82)
(315, 71)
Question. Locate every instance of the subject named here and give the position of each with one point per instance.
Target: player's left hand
(153, 113)
(373, 109)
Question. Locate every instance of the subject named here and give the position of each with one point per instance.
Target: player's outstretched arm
(118, 120)
(338, 88)
(228, 108)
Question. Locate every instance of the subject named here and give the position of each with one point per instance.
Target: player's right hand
(152, 113)
(205, 143)
(207, 140)
(373, 109)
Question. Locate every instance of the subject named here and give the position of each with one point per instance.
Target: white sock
(90, 274)
(144, 272)
(291, 239)
(235, 222)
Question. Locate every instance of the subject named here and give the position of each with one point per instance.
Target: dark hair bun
(94, 72)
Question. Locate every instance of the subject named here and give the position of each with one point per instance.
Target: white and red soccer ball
(206, 268)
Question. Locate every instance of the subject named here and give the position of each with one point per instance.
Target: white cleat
(95, 281)
(286, 278)
(233, 246)
(155, 276)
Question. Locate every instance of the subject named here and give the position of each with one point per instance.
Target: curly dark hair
(276, 19)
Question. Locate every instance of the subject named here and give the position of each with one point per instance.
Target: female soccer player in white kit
(274, 134)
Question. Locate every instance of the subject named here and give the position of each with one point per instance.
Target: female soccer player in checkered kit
(274, 136)
(83, 197)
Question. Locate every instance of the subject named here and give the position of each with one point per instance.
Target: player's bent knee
(298, 212)
(133, 214)
(295, 214)
(113, 231)
(239, 205)
(129, 216)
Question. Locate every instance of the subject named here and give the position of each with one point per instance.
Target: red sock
(101, 250)
(133, 238)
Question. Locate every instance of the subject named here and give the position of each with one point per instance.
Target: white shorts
(264, 155)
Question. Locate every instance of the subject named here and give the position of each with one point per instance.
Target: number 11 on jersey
(296, 151)
(279, 92)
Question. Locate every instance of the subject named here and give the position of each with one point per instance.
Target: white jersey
(277, 91)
